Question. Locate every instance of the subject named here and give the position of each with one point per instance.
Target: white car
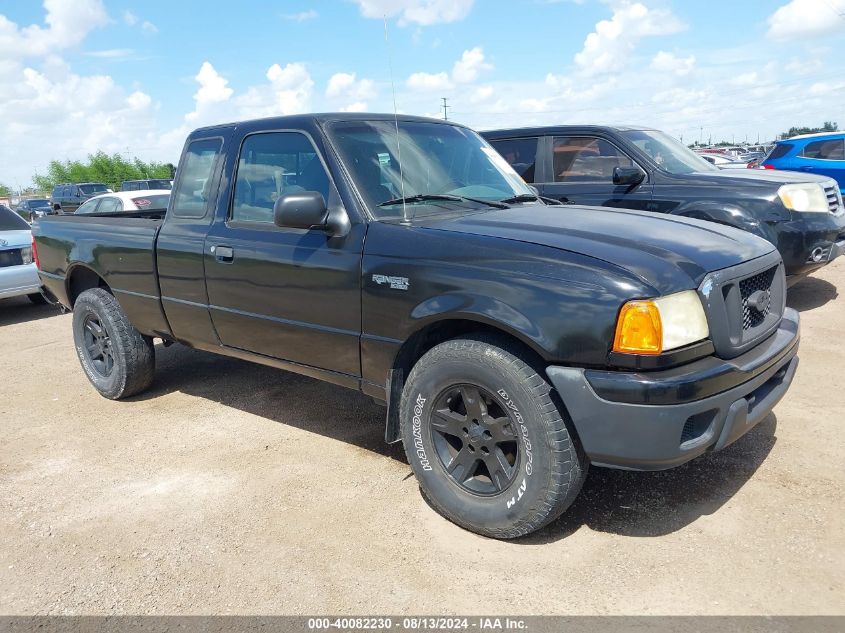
(126, 201)
(724, 162)
(18, 274)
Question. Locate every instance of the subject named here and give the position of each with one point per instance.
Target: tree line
(110, 170)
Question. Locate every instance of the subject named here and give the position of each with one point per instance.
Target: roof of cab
(304, 120)
(557, 129)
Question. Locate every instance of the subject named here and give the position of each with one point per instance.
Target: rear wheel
(118, 360)
(490, 447)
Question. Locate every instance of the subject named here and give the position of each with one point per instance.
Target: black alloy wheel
(475, 439)
(98, 346)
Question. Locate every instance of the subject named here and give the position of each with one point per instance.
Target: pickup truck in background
(636, 168)
(511, 343)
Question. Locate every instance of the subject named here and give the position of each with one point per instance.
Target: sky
(77, 76)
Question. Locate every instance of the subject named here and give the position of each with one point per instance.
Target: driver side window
(272, 165)
(586, 159)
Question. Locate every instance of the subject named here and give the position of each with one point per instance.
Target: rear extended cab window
(192, 190)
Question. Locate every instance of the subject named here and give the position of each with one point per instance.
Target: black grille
(833, 199)
(11, 257)
(756, 306)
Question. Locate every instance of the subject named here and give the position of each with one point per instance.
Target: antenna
(396, 121)
(445, 108)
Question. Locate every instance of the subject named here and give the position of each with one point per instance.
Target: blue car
(822, 154)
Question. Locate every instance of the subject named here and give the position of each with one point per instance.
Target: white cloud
(149, 28)
(610, 46)
(465, 71)
(358, 106)
(422, 12)
(427, 82)
(669, 63)
(481, 94)
(469, 66)
(807, 18)
(129, 18)
(68, 23)
(301, 16)
(347, 85)
(288, 92)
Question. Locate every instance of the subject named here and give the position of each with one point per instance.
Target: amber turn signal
(639, 329)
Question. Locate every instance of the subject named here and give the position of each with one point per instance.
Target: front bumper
(19, 280)
(809, 241)
(657, 420)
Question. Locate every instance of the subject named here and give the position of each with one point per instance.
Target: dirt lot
(235, 488)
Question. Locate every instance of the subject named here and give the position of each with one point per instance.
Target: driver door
(580, 171)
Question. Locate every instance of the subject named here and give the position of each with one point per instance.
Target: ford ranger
(513, 345)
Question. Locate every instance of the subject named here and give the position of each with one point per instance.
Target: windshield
(11, 221)
(436, 159)
(88, 189)
(671, 155)
(35, 204)
(150, 203)
(158, 184)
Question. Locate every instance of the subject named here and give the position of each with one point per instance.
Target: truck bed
(119, 247)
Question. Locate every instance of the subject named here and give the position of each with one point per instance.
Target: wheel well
(423, 340)
(82, 279)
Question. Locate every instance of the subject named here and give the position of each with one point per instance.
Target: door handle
(223, 254)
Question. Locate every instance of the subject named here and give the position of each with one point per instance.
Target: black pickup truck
(636, 168)
(512, 344)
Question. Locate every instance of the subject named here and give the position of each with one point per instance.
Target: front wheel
(118, 360)
(490, 448)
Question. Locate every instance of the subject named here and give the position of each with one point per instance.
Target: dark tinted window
(779, 151)
(829, 149)
(195, 174)
(95, 188)
(158, 184)
(521, 154)
(88, 207)
(270, 166)
(11, 221)
(585, 159)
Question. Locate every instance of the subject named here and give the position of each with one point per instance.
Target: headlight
(654, 326)
(26, 254)
(806, 198)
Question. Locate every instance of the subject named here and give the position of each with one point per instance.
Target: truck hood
(668, 253)
(770, 178)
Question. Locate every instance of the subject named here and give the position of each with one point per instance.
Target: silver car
(18, 273)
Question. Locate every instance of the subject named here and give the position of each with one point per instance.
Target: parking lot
(236, 488)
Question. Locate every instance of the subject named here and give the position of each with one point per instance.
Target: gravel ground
(236, 488)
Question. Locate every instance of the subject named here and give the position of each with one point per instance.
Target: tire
(118, 360)
(544, 466)
(37, 298)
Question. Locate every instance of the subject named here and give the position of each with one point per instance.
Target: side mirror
(630, 176)
(301, 210)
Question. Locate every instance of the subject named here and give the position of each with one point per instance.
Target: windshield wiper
(522, 197)
(421, 197)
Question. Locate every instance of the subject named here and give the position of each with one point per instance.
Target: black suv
(144, 185)
(643, 169)
(68, 197)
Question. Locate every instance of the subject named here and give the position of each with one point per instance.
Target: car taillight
(35, 254)
(768, 166)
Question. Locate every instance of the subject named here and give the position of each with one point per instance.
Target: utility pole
(445, 109)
